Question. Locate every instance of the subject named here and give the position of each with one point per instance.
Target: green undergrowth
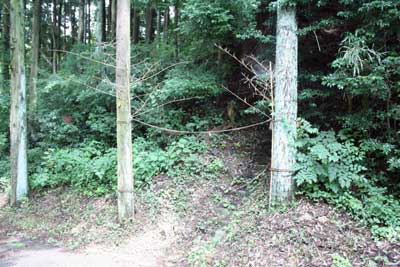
(334, 168)
(91, 167)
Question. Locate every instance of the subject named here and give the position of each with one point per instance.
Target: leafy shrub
(189, 82)
(91, 167)
(4, 174)
(3, 142)
(330, 167)
(326, 161)
(371, 206)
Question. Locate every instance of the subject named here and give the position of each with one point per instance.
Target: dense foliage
(349, 147)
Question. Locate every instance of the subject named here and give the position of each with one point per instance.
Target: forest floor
(223, 220)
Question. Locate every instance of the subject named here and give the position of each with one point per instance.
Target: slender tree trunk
(136, 25)
(158, 25)
(88, 19)
(113, 18)
(73, 25)
(149, 24)
(64, 15)
(99, 26)
(176, 41)
(59, 32)
(124, 127)
(109, 8)
(103, 8)
(54, 37)
(166, 25)
(5, 55)
(18, 128)
(81, 26)
(32, 100)
(285, 106)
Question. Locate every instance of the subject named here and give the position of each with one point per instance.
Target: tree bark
(103, 7)
(136, 25)
(166, 25)
(59, 32)
(113, 18)
(88, 21)
(109, 20)
(5, 58)
(285, 106)
(32, 100)
(158, 26)
(74, 36)
(124, 127)
(176, 41)
(18, 129)
(149, 24)
(81, 25)
(54, 37)
(67, 13)
(99, 26)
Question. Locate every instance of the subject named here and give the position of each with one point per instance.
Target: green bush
(4, 174)
(330, 167)
(91, 167)
(190, 82)
(326, 161)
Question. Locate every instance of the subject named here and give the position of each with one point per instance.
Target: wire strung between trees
(201, 132)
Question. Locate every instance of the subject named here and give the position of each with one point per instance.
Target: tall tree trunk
(124, 127)
(176, 41)
(32, 100)
(99, 26)
(113, 18)
(166, 25)
(136, 25)
(103, 7)
(54, 37)
(285, 106)
(67, 13)
(18, 129)
(73, 25)
(88, 21)
(81, 23)
(5, 55)
(109, 20)
(59, 32)
(149, 23)
(158, 25)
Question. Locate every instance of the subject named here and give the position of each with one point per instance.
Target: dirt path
(146, 249)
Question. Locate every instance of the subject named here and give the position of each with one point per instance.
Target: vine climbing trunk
(124, 127)
(285, 106)
(18, 128)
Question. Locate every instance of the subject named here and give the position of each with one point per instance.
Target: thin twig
(199, 132)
